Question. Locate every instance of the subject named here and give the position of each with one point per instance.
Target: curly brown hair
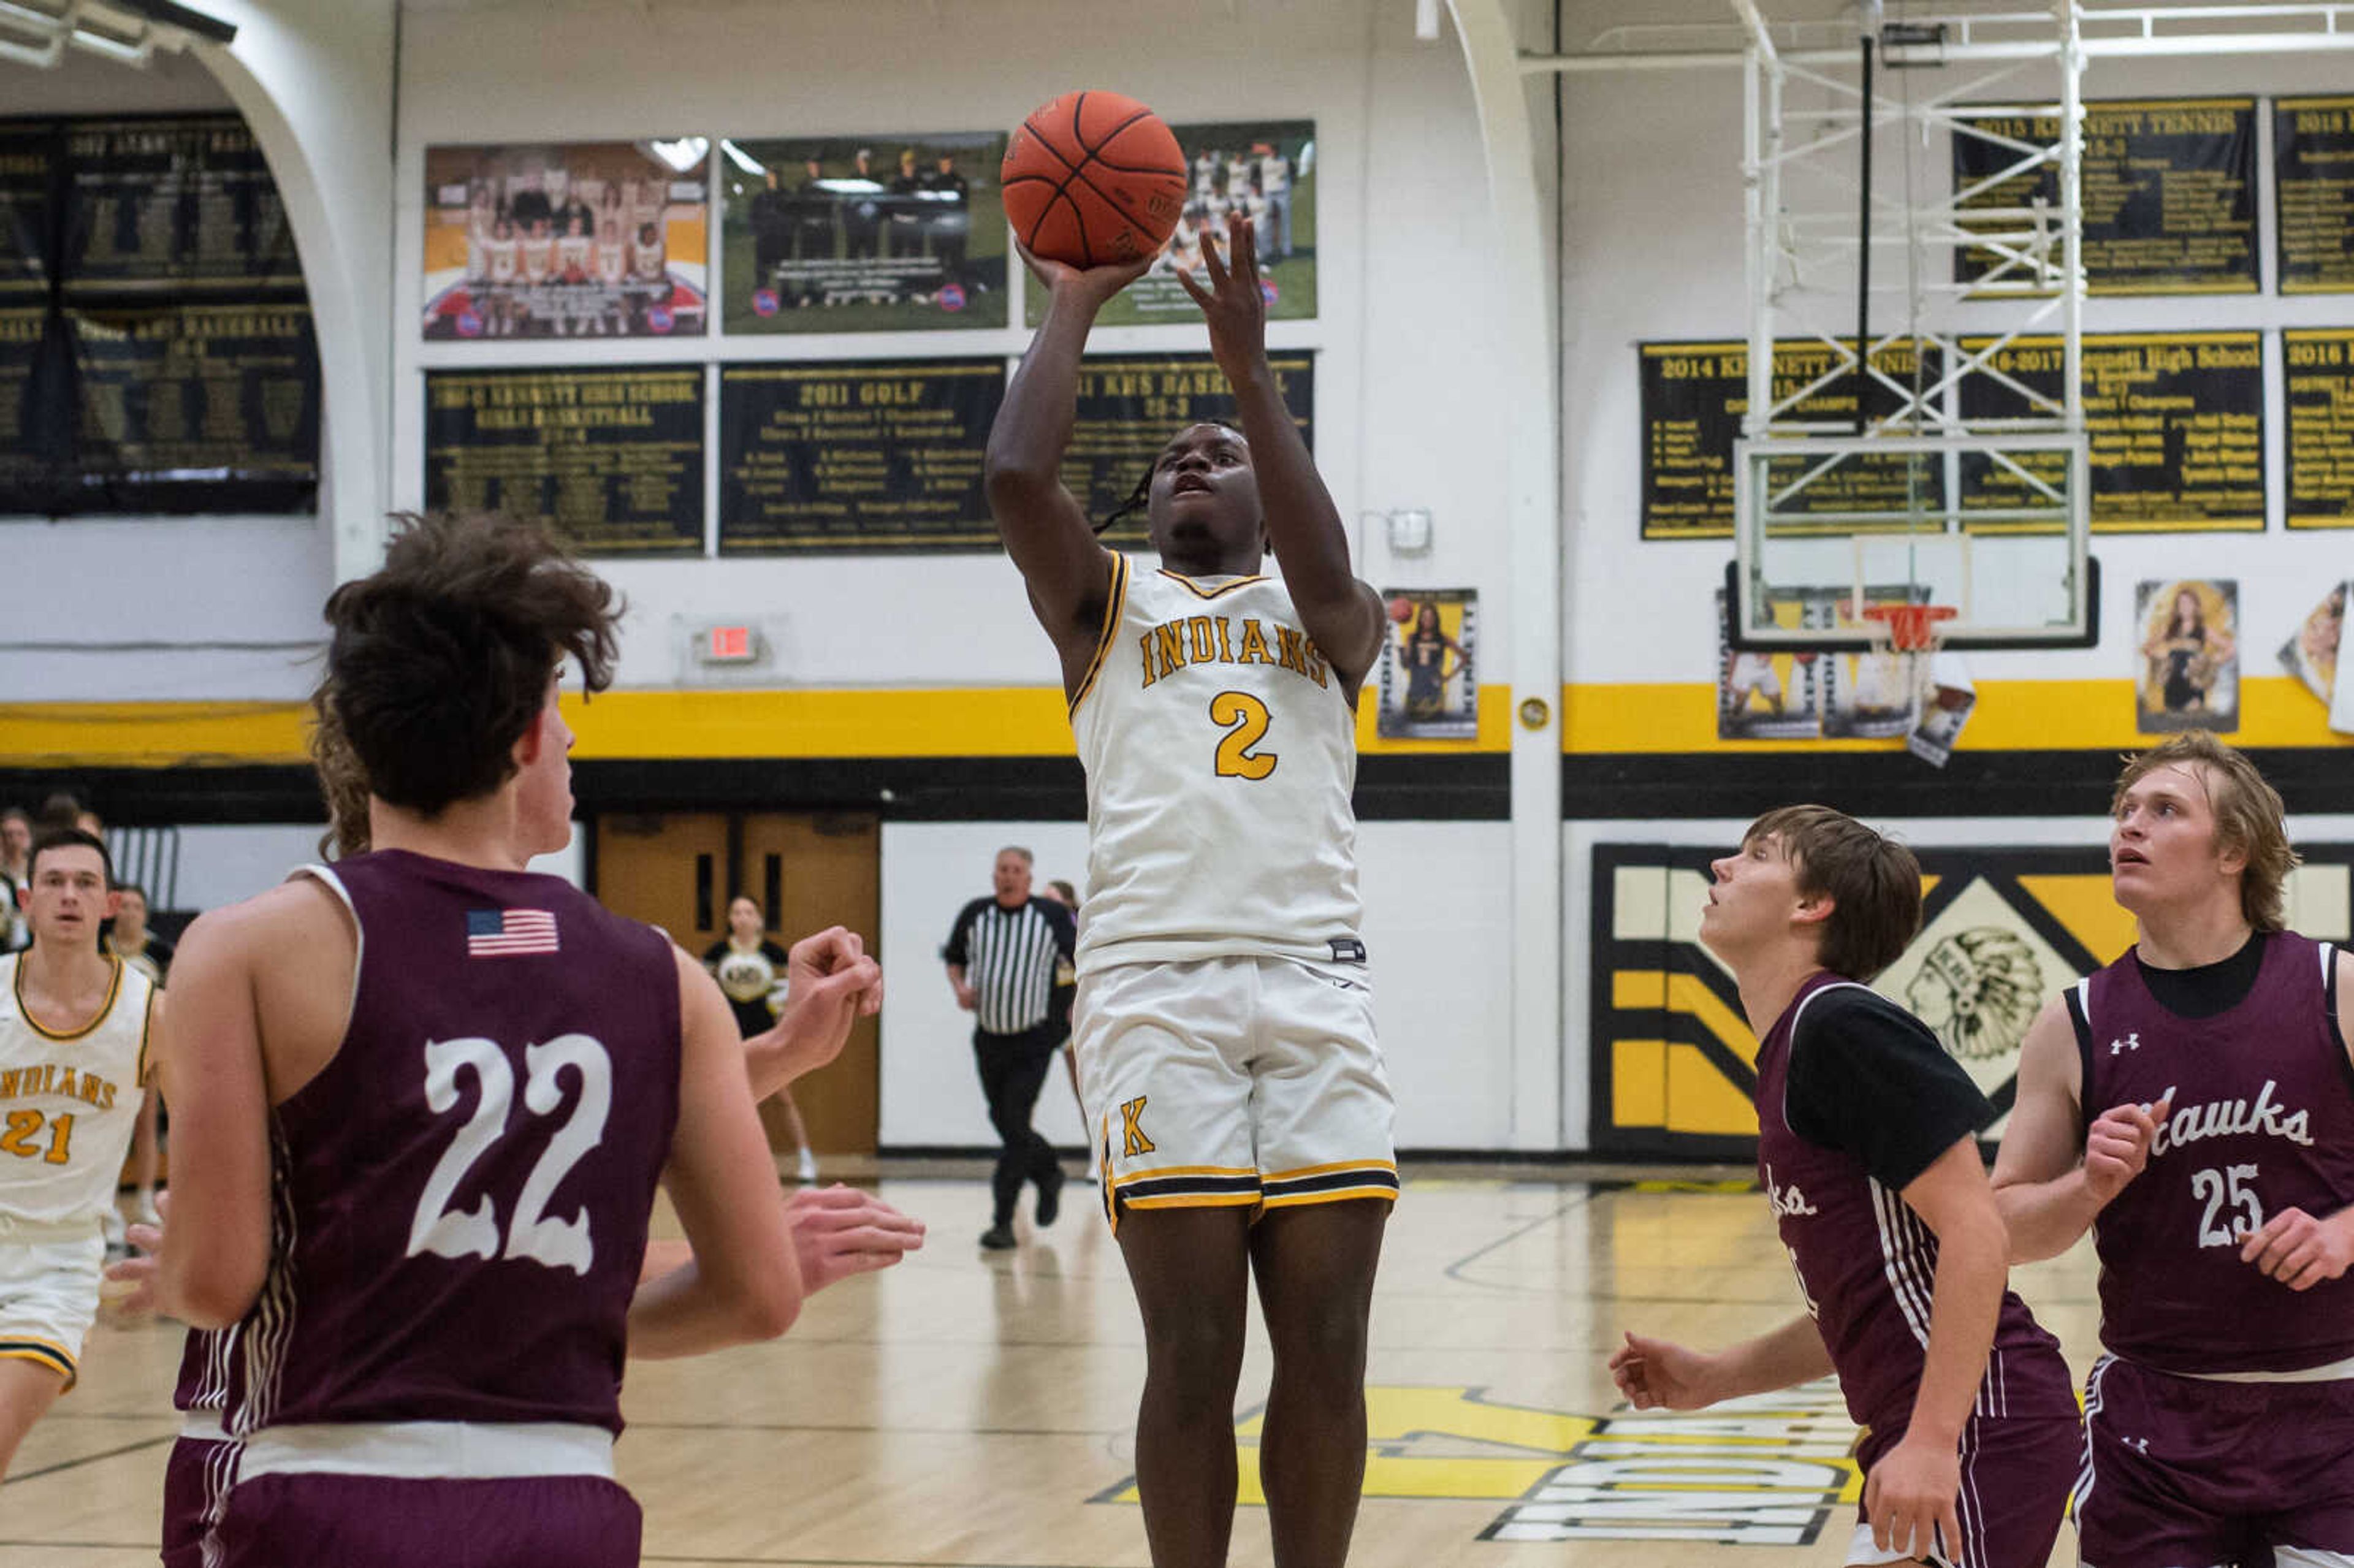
(440, 661)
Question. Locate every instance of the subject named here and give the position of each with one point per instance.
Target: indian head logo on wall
(2002, 932)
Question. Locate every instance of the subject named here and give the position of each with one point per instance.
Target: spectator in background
(1002, 954)
(751, 969)
(16, 875)
(1065, 991)
(128, 939)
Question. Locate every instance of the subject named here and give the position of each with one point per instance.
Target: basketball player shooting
(1224, 1020)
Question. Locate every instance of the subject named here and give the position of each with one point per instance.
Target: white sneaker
(148, 1213)
(809, 1166)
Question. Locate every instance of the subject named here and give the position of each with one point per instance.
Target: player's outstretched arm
(831, 984)
(208, 1043)
(1657, 1374)
(2047, 1198)
(1044, 529)
(742, 1283)
(1913, 1489)
(838, 1231)
(1342, 614)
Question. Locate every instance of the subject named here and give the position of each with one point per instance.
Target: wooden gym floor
(972, 1409)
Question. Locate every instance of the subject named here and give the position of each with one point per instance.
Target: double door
(679, 870)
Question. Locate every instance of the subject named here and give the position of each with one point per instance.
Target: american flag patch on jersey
(500, 933)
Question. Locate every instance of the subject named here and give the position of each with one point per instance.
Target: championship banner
(195, 408)
(1265, 169)
(2176, 421)
(2313, 186)
(876, 456)
(2168, 191)
(612, 456)
(882, 233)
(1694, 394)
(32, 155)
(178, 205)
(35, 443)
(567, 239)
(2320, 385)
(1132, 404)
(1429, 666)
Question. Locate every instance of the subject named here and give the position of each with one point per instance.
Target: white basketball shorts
(1236, 1082)
(48, 1294)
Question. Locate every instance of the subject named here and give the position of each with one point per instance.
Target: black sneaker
(1050, 1199)
(998, 1238)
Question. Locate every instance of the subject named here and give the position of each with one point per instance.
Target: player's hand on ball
(1910, 1499)
(1094, 283)
(1234, 303)
(2117, 1147)
(1655, 1374)
(2298, 1250)
(840, 1231)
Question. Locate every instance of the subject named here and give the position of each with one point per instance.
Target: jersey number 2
(558, 1243)
(1244, 718)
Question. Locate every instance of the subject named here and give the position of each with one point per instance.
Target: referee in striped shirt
(1001, 956)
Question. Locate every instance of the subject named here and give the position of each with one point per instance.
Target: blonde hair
(2249, 816)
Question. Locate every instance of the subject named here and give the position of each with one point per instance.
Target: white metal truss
(36, 32)
(2107, 32)
(1863, 267)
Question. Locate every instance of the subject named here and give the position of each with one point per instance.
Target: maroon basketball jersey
(1867, 1266)
(460, 1198)
(204, 1370)
(2263, 1120)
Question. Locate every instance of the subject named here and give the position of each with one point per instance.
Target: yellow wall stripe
(2011, 715)
(1662, 718)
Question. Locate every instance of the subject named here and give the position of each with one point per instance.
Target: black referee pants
(1013, 1070)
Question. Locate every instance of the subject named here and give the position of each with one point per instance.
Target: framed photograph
(888, 232)
(2188, 674)
(579, 240)
(1429, 676)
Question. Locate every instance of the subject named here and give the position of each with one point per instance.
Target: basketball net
(1907, 628)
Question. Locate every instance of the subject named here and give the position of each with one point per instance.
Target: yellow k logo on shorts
(1131, 1128)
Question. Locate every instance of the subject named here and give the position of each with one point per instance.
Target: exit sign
(729, 645)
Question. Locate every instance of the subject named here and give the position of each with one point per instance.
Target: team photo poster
(567, 239)
(870, 233)
(1263, 168)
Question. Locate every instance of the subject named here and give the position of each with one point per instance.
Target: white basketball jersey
(69, 1103)
(1220, 750)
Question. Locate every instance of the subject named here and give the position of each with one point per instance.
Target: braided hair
(1141, 496)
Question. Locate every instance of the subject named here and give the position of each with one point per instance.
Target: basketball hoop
(1907, 628)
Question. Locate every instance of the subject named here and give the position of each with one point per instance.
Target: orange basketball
(1401, 610)
(1094, 179)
